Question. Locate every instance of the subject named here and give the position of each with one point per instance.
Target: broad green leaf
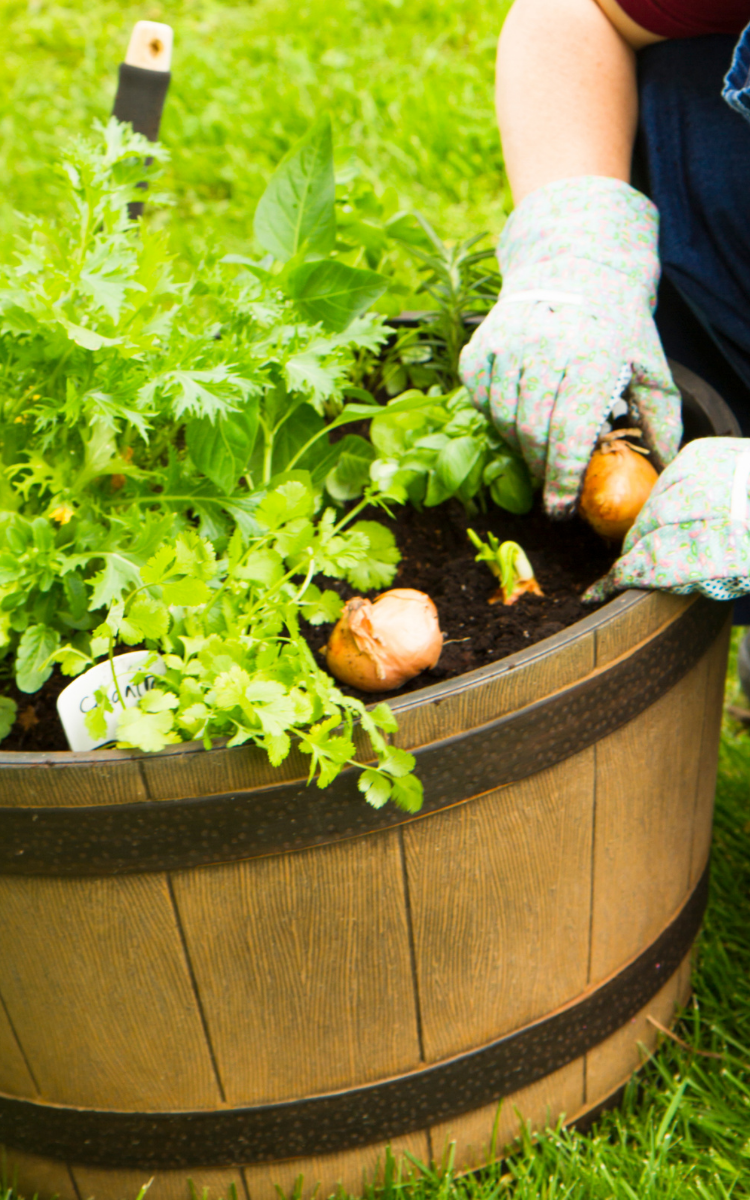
(294, 434)
(393, 432)
(8, 710)
(351, 474)
(296, 210)
(455, 460)
(334, 293)
(221, 449)
(34, 649)
(509, 483)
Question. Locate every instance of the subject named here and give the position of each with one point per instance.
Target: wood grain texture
(611, 1063)
(303, 966)
(709, 753)
(645, 799)
(481, 1135)
(101, 1184)
(42, 1176)
(176, 772)
(626, 629)
(500, 892)
(486, 699)
(96, 985)
(323, 1174)
(15, 1078)
(71, 786)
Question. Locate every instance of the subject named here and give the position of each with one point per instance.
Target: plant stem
(111, 656)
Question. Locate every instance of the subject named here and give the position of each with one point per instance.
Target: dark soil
(438, 559)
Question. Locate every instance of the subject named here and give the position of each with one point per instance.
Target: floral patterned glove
(692, 534)
(573, 325)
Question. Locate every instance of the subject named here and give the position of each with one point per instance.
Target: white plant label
(79, 697)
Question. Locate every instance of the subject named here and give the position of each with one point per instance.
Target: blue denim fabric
(696, 153)
(693, 160)
(736, 90)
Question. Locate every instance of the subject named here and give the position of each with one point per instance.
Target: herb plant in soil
(174, 475)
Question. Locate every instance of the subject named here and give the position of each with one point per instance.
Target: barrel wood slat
(707, 766)
(644, 848)
(15, 1077)
(529, 846)
(98, 989)
(610, 1064)
(579, 1087)
(189, 966)
(311, 952)
(92, 1182)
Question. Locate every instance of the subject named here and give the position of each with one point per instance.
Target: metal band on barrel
(165, 835)
(339, 1121)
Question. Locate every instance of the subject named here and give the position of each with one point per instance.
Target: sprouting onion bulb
(378, 646)
(617, 484)
(510, 565)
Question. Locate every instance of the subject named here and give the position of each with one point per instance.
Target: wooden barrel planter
(209, 970)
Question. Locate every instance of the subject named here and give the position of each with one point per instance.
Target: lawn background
(409, 86)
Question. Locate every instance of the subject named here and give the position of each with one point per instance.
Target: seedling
(510, 565)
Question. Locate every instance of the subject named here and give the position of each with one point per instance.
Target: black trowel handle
(143, 82)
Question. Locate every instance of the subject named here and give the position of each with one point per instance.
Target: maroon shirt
(688, 18)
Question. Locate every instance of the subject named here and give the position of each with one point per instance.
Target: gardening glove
(572, 328)
(692, 534)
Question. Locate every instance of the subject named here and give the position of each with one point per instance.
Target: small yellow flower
(62, 514)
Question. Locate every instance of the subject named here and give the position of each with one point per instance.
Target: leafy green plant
(432, 447)
(462, 283)
(228, 633)
(136, 404)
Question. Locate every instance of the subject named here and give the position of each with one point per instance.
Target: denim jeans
(692, 158)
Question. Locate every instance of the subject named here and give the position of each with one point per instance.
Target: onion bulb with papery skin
(378, 646)
(616, 486)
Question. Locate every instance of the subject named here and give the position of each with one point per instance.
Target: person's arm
(566, 91)
(572, 330)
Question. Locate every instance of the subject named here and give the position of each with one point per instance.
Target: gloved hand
(572, 326)
(692, 534)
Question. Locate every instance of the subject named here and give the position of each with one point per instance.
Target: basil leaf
(221, 449)
(296, 211)
(334, 293)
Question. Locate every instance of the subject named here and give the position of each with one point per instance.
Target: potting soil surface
(438, 559)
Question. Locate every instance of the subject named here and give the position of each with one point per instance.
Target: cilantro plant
(228, 633)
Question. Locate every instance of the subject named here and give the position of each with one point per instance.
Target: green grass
(409, 85)
(408, 82)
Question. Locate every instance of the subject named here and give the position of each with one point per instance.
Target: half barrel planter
(208, 969)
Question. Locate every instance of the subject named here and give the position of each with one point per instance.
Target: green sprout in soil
(509, 564)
